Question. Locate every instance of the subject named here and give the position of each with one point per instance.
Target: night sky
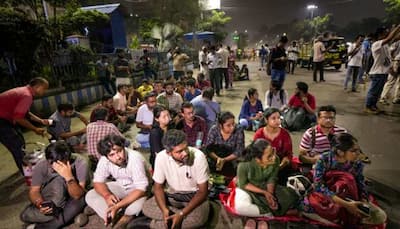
(252, 14)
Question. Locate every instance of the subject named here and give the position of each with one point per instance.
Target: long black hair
(342, 142)
(255, 149)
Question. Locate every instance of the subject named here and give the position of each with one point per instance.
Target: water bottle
(199, 140)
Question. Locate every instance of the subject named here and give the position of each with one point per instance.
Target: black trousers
(12, 138)
(318, 66)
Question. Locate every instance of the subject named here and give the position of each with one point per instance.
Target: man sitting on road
(145, 88)
(128, 191)
(316, 140)
(97, 130)
(61, 129)
(195, 127)
(144, 119)
(112, 115)
(58, 188)
(303, 99)
(170, 99)
(205, 107)
(121, 105)
(184, 170)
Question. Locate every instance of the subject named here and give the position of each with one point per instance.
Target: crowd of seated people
(189, 139)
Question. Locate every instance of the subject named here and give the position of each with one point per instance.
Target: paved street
(378, 137)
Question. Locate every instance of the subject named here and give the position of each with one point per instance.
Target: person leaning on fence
(128, 192)
(184, 171)
(58, 188)
(15, 104)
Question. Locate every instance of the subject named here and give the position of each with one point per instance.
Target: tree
(146, 26)
(392, 10)
(181, 13)
(215, 23)
(166, 35)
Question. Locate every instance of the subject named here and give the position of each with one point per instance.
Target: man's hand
(177, 220)
(165, 213)
(271, 200)
(111, 200)
(39, 131)
(304, 99)
(63, 169)
(45, 210)
(111, 212)
(219, 164)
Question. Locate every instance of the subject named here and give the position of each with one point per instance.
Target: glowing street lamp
(312, 7)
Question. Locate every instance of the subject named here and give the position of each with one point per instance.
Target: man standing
(263, 57)
(380, 68)
(179, 61)
(316, 139)
(393, 79)
(278, 61)
(128, 192)
(62, 127)
(203, 62)
(121, 69)
(318, 59)
(354, 63)
(223, 65)
(104, 74)
(149, 72)
(58, 188)
(212, 60)
(144, 120)
(184, 170)
(293, 55)
(15, 104)
(193, 126)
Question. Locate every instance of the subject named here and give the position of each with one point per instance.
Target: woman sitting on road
(257, 194)
(160, 126)
(280, 139)
(339, 177)
(225, 143)
(251, 111)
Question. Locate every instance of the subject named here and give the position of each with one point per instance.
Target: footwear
(371, 110)
(250, 224)
(89, 211)
(140, 222)
(354, 90)
(396, 102)
(384, 102)
(81, 220)
(322, 81)
(262, 225)
(364, 158)
(30, 226)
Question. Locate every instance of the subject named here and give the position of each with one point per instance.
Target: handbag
(294, 119)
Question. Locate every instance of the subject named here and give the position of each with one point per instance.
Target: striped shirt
(322, 143)
(96, 131)
(131, 177)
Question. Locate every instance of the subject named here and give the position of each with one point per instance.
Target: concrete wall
(45, 106)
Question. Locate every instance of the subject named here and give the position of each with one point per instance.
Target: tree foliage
(166, 35)
(392, 10)
(74, 21)
(215, 23)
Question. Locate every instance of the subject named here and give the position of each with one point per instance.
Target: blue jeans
(375, 89)
(352, 71)
(278, 75)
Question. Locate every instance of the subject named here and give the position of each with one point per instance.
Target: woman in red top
(280, 139)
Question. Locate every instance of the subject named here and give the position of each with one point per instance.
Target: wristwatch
(181, 213)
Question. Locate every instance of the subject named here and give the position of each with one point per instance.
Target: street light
(312, 7)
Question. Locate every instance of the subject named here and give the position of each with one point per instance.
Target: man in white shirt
(145, 118)
(293, 54)
(184, 170)
(128, 192)
(354, 62)
(203, 62)
(393, 78)
(213, 60)
(380, 68)
(223, 67)
(318, 59)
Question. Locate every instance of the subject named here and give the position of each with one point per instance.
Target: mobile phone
(47, 203)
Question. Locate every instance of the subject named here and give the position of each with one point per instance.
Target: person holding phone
(58, 188)
(339, 177)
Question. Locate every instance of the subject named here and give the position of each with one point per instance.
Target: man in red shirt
(15, 104)
(304, 100)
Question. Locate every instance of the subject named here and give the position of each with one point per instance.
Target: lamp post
(312, 7)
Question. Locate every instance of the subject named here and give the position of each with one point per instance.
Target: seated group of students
(182, 165)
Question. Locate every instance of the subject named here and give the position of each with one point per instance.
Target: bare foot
(250, 224)
(262, 225)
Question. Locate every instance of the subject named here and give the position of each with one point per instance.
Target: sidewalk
(378, 135)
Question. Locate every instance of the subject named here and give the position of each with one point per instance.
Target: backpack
(270, 95)
(294, 119)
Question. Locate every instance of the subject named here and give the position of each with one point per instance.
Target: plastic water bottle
(199, 140)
